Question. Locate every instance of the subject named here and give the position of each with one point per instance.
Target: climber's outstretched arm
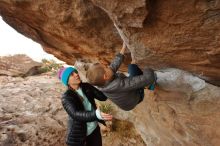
(117, 61)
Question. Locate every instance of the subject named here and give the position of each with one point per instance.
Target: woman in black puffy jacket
(78, 101)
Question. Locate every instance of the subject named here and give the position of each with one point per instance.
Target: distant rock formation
(18, 65)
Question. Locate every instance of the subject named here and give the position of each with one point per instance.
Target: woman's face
(74, 79)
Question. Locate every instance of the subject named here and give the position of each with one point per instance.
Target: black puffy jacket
(78, 117)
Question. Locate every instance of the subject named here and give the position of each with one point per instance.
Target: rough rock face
(31, 111)
(173, 119)
(160, 34)
(18, 65)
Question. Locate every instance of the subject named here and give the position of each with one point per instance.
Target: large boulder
(160, 34)
(168, 118)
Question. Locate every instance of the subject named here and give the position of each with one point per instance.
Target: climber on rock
(125, 92)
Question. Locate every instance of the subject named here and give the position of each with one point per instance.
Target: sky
(12, 42)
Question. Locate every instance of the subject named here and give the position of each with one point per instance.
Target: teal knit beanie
(64, 74)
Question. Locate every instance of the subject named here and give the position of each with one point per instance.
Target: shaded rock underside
(160, 34)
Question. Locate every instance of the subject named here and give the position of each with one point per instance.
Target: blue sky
(12, 42)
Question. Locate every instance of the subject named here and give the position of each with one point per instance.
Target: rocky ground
(31, 114)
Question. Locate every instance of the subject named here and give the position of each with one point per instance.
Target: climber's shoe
(152, 86)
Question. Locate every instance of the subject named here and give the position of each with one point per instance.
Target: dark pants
(134, 70)
(94, 139)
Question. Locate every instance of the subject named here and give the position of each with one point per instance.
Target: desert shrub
(106, 107)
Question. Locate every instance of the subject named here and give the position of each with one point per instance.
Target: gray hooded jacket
(122, 90)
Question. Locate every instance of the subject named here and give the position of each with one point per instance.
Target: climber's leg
(134, 70)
